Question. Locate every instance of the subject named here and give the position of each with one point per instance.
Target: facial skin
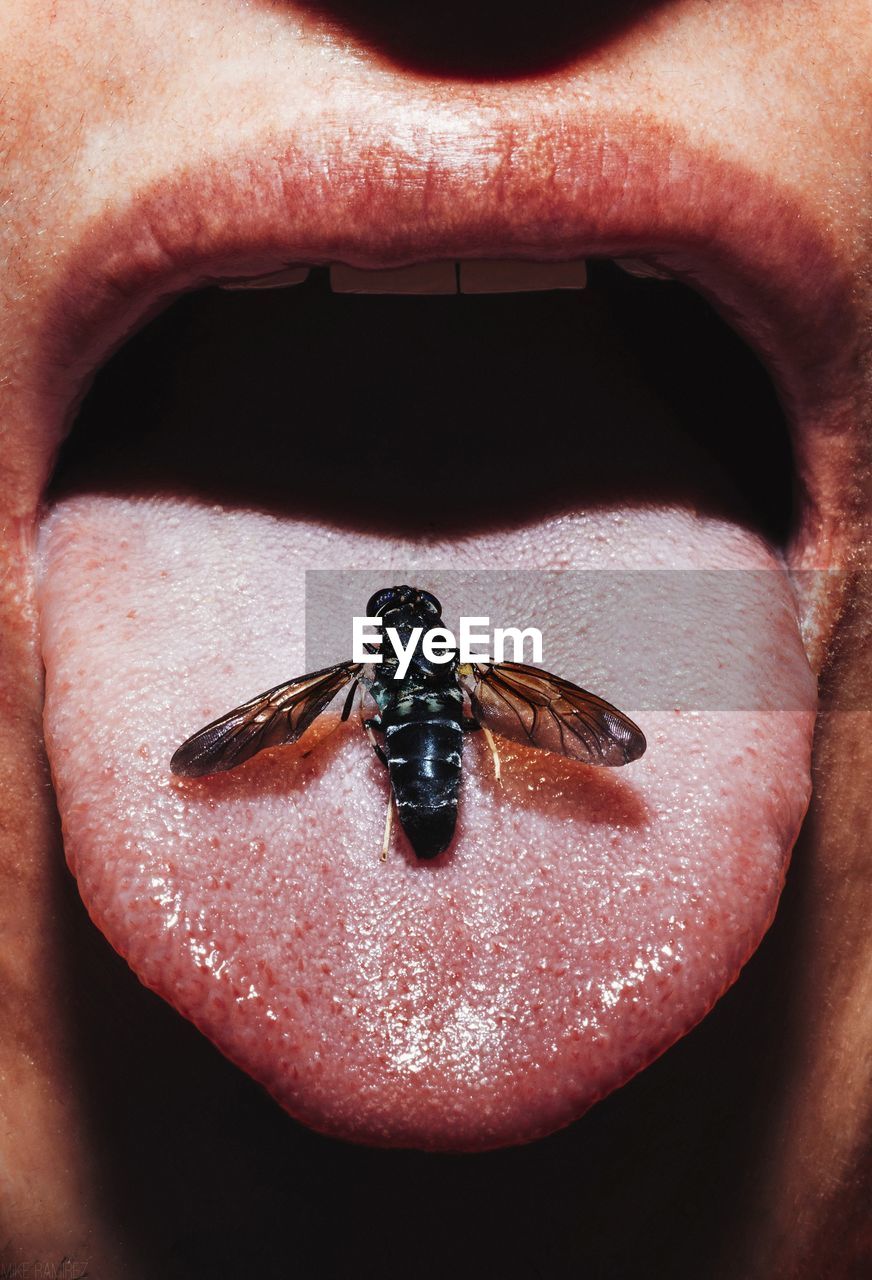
(128, 1142)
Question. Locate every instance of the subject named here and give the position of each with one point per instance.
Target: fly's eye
(380, 601)
(394, 597)
(430, 602)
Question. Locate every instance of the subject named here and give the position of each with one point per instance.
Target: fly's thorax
(428, 674)
(416, 702)
(405, 622)
(419, 671)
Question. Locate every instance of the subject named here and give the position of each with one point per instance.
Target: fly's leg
(349, 702)
(370, 725)
(489, 739)
(470, 725)
(346, 712)
(389, 824)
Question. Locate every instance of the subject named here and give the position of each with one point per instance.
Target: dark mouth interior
(431, 415)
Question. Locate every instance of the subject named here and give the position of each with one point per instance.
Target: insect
(421, 718)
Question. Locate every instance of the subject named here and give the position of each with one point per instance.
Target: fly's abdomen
(424, 765)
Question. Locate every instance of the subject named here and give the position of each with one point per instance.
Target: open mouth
(578, 926)
(444, 393)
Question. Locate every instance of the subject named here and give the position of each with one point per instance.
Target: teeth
(485, 275)
(513, 276)
(425, 277)
(273, 280)
(642, 270)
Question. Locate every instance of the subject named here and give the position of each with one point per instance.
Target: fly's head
(405, 605)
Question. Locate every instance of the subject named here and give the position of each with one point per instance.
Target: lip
(465, 181)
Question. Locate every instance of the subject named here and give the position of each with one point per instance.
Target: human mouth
(375, 1004)
(441, 186)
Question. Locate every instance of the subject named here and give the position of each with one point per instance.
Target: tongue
(581, 921)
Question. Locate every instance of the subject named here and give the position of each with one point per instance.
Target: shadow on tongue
(580, 922)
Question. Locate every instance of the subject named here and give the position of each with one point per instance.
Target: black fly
(421, 718)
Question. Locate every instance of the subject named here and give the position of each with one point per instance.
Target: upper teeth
(644, 270)
(425, 277)
(272, 280)
(512, 276)
(488, 275)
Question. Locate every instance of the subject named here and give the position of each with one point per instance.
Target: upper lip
(454, 183)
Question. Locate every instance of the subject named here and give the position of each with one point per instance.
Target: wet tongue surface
(583, 919)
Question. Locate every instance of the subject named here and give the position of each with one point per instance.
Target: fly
(421, 718)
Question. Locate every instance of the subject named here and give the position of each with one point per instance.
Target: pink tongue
(583, 920)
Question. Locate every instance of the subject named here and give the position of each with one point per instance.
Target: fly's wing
(271, 719)
(545, 711)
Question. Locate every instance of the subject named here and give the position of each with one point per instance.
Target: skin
(768, 1161)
